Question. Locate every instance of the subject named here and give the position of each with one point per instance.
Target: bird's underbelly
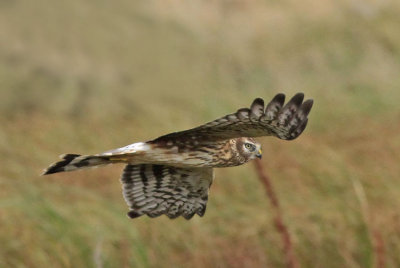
(178, 154)
(203, 155)
(174, 157)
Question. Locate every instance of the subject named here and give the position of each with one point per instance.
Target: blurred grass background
(88, 76)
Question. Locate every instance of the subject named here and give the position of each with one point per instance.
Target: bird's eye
(250, 147)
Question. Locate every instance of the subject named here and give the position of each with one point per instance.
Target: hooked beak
(259, 154)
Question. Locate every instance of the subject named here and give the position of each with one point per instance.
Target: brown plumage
(171, 175)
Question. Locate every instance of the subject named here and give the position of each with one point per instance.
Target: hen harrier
(172, 174)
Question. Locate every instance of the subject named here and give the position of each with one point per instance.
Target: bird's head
(249, 148)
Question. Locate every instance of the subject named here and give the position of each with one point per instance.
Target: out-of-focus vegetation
(87, 76)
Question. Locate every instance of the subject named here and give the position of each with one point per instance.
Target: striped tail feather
(71, 162)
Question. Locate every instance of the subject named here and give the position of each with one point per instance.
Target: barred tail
(72, 162)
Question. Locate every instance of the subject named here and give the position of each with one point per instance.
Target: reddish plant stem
(379, 250)
(291, 260)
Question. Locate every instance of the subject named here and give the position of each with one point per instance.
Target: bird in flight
(172, 174)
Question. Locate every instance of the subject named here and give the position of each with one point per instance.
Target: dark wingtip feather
(201, 211)
(50, 170)
(258, 101)
(306, 106)
(299, 130)
(56, 167)
(133, 214)
(189, 216)
(297, 99)
(257, 109)
(59, 166)
(280, 98)
(173, 216)
(274, 106)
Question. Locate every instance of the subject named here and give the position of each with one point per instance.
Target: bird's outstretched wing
(154, 190)
(286, 122)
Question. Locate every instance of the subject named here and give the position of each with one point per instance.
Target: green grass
(85, 77)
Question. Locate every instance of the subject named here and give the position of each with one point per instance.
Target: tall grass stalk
(375, 235)
(280, 226)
